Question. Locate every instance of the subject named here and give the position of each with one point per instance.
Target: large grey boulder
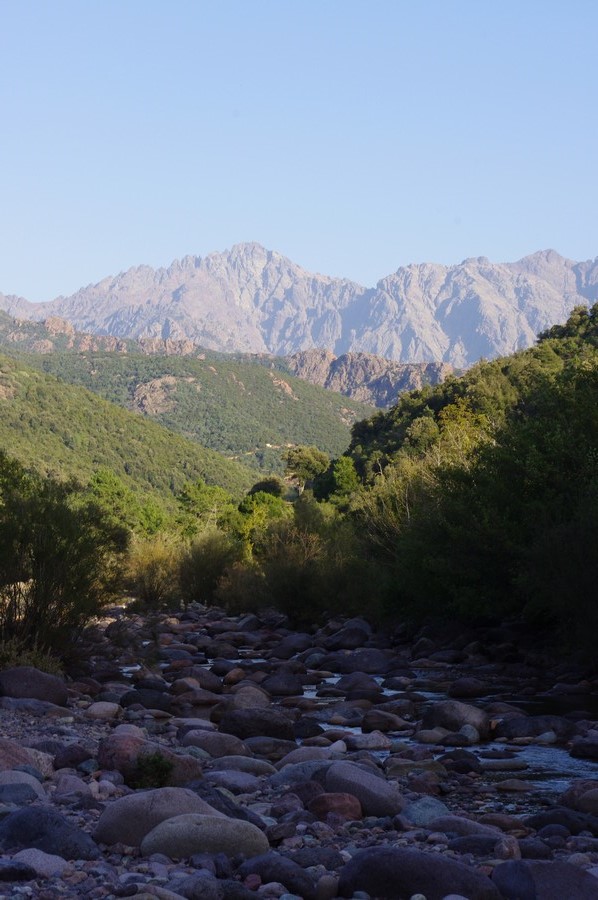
(25, 681)
(188, 834)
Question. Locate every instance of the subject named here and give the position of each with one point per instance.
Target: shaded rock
(128, 819)
(257, 722)
(459, 825)
(187, 834)
(215, 743)
(346, 806)
(45, 864)
(274, 867)
(14, 870)
(388, 873)
(585, 748)
(533, 726)
(47, 830)
(243, 764)
(377, 796)
(468, 686)
(452, 715)
(424, 810)
(234, 781)
(574, 822)
(283, 684)
(369, 660)
(272, 748)
(25, 681)
(553, 880)
(224, 803)
(13, 755)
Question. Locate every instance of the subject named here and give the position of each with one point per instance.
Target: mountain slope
(239, 408)
(67, 431)
(255, 300)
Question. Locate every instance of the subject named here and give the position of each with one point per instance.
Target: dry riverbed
(202, 756)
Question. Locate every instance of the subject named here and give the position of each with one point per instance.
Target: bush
(153, 571)
(13, 652)
(204, 563)
(60, 559)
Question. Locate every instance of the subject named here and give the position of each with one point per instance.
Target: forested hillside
(237, 408)
(66, 431)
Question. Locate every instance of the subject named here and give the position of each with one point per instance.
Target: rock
(585, 748)
(375, 740)
(377, 796)
(379, 720)
(104, 711)
(539, 880)
(466, 687)
(128, 819)
(234, 781)
(45, 864)
(15, 871)
(185, 835)
(424, 810)
(452, 715)
(345, 806)
(243, 764)
(532, 726)
(283, 684)
(274, 867)
(145, 764)
(257, 722)
(368, 660)
(14, 777)
(215, 743)
(388, 873)
(459, 825)
(574, 822)
(47, 830)
(13, 755)
(25, 681)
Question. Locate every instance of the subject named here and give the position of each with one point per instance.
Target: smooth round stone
(104, 711)
(185, 835)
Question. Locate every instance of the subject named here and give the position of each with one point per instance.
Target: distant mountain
(254, 300)
(363, 377)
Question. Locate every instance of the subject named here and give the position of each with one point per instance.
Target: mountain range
(254, 300)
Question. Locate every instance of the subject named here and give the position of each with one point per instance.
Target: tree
(305, 463)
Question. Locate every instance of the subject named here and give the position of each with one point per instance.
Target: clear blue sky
(354, 136)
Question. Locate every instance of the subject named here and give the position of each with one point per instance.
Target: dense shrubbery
(59, 558)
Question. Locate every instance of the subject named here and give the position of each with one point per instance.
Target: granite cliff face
(255, 300)
(364, 377)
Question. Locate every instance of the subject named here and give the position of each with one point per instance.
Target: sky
(353, 136)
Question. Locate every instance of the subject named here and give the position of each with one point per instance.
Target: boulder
(186, 835)
(128, 819)
(274, 867)
(378, 797)
(45, 829)
(388, 873)
(25, 681)
(257, 722)
(539, 880)
(452, 715)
